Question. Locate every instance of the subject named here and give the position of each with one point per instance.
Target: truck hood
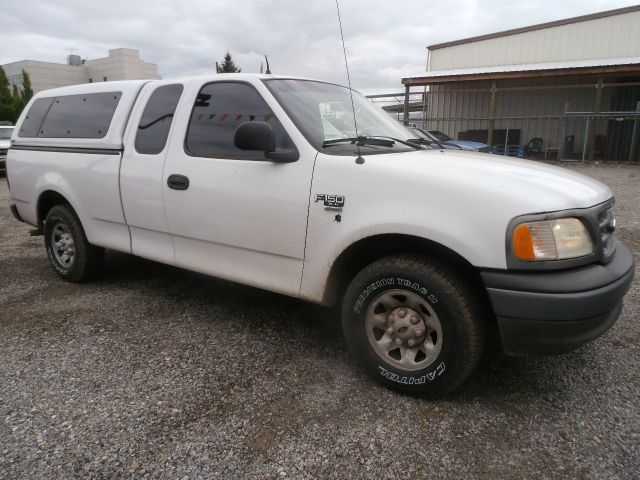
(534, 186)
(5, 144)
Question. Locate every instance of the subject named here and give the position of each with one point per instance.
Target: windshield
(323, 113)
(5, 133)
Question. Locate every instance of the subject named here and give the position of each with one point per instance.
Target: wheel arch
(46, 201)
(369, 249)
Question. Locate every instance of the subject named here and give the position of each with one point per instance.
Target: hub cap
(404, 330)
(64, 248)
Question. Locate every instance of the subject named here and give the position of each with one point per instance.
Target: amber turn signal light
(523, 243)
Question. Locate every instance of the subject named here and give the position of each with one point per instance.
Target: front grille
(606, 227)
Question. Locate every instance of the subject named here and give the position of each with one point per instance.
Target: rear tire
(71, 255)
(414, 324)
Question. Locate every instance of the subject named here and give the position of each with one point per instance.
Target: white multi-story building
(121, 64)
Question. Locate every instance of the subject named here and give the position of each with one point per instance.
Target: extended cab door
(141, 174)
(234, 213)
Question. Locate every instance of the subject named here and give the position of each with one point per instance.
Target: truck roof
(135, 85)
(127, 90)
(120, 85)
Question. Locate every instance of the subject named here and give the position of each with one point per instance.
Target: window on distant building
(91, 80)
(104, 78)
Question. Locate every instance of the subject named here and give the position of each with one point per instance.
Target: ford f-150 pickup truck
(284, 184)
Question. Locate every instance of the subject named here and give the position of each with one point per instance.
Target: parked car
(427, 139)
(239, 176)
(5, 143)
(462, 144)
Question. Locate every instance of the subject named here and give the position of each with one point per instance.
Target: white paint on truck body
(256, 222)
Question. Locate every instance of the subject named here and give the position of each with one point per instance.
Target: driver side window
(219, 109)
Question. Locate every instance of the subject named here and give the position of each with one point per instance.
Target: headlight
(556, 239)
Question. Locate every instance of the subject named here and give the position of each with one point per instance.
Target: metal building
(566, 89)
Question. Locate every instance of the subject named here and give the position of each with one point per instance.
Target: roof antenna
(268, 72)
(359, 160)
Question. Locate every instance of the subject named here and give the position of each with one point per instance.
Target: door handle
(178, 182)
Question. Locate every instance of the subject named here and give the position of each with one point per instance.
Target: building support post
(492, 113)
(634, 136)
(597, 108)
(424, 108)
(405, 117)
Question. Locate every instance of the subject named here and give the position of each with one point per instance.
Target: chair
(535, 145)
(552, 148)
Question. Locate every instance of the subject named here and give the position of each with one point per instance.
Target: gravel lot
(154, 372)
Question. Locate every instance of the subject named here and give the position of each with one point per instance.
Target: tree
(227, 65)
(7, 107)
(17, 102)
(13, 100)
(27, 90)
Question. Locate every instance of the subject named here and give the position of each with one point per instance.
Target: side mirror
(255, 136)
(259, 136)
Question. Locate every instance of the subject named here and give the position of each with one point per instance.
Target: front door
(234, 213)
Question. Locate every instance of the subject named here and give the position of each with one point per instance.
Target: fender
(316, 279)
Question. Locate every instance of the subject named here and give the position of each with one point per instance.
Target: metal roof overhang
(561, 69)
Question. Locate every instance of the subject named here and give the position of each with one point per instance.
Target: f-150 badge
(331, 202)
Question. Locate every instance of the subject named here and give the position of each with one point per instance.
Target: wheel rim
(404, 330)
(63, 245)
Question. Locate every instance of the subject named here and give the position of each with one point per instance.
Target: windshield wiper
(403, 142)
(426, 141)
(361, 140)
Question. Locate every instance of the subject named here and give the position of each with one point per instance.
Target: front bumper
(542, 313)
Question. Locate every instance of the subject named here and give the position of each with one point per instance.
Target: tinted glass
(80, 116)
(155, 123)
(219, 109)
(31, 124)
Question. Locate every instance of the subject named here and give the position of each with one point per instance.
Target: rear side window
(31, 124)
(155, 123)
(71, 116)
(220, 107)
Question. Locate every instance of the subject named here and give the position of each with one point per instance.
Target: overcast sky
(385, 39)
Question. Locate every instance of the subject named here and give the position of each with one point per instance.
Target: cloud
(385, 40)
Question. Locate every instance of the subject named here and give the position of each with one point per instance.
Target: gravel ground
(155, 372)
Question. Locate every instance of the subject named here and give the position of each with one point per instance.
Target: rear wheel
(414, 324)
(70, 254)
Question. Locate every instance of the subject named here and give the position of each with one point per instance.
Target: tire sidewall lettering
(413, 380)
(396, 282)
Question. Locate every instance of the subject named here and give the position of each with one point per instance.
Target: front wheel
(414, 324)
(70, 253)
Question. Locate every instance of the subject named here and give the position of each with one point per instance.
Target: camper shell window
(71, 116)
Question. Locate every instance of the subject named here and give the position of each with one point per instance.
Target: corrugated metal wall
(459, 111)
(609, 37)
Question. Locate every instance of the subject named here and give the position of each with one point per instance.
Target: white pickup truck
(266, 181)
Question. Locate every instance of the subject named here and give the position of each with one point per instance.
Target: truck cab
(307, 189)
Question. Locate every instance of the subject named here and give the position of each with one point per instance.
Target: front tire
(71, 255)
(414, 324)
